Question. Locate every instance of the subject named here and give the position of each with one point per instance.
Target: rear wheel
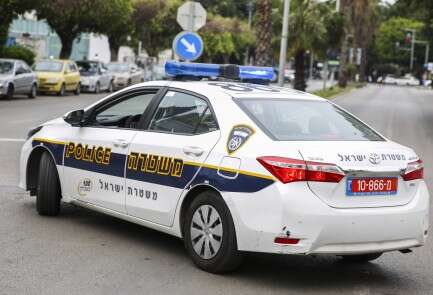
(362, 258)
(48, 187)
(209, 234)
(33, 91)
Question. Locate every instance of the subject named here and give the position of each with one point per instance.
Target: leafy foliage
(225, 39)
(19, 52)
(389, 34)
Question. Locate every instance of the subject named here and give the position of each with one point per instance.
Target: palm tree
(364, 23)
(307, 30)
(264, 32)
(360, 18)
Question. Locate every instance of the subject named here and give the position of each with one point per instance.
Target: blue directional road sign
(188, 45)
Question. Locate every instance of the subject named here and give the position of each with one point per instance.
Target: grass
(334, 91)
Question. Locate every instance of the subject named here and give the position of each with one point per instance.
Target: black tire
(62, 91)
(97, 88)
(227, 257)
(110, 87)
(10, 92)
(48, 191)
(33, 91)
(361, 258)
(77, 90)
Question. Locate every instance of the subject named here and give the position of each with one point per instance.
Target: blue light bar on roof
(251, 73)
(201, 70)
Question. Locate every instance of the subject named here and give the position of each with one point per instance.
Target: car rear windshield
(49, 66)
(305, 120)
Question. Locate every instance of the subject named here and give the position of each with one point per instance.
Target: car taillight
(414, 170)
(291, 170)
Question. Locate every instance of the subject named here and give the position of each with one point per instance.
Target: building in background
(36, 34)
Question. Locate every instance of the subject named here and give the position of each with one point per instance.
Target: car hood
(120, 75)
(47, 75)
(5, 77)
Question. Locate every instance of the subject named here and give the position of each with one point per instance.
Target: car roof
(236, 89)
(10, 59)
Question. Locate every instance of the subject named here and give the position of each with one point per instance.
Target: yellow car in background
(58, 76)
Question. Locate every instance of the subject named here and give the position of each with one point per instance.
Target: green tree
(365, 17)
(70, 18)
(9, 9)
(225, 39)
(264, 32)
(118, 15)
(391, 33)
(155, 23)
(307, 30)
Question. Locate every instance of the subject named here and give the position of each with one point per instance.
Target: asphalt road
(82, 252)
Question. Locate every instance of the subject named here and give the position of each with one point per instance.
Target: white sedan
(232, 167)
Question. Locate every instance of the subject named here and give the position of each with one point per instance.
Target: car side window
(184, 114)
(125, 112)
(20, 69)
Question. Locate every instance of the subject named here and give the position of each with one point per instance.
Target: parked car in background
(58, 76)
(407, 80)
(16, 77)
(125, 74)
(95, 77)
(389, 79)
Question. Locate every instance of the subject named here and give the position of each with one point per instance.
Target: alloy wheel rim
(206, 232)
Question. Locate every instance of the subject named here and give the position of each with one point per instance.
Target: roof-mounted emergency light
(182, 70)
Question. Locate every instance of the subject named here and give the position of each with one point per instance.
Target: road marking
(12, 139)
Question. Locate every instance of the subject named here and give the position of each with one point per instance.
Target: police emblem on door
(238, 136)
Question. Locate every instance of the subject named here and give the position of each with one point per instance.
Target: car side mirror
(75, 118)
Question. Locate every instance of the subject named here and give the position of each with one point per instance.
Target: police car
(231, 167)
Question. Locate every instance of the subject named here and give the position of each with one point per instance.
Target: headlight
(53, 80)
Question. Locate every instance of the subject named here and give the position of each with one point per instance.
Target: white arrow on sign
(190, 47)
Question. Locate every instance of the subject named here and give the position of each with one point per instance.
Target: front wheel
(62, 90)
(78, 89)
(361, 258)
(48, 187)
(110, 87)
(97, 88)
(33, 91)
(10, 92)
(209, 234)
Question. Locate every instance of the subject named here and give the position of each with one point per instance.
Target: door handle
(193, 151)
(120, 143)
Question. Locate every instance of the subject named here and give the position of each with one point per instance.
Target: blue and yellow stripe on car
(242, 181)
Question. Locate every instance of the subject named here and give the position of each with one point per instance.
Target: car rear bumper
(273, 212)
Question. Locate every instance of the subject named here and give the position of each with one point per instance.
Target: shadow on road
(321, 273)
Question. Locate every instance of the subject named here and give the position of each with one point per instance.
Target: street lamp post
(283, 48)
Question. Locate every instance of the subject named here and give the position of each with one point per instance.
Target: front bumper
(275, 211)
(48, 87)
(88, 87)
